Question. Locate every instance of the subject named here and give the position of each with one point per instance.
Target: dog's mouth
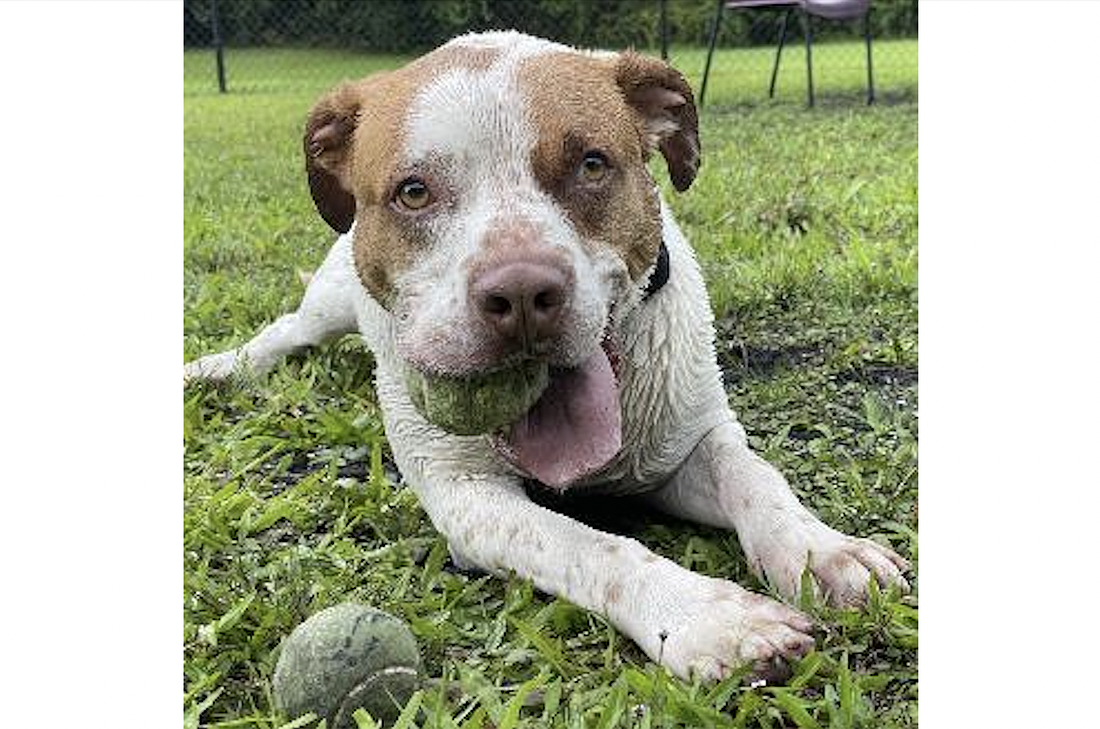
(557, 425)
(574, 429)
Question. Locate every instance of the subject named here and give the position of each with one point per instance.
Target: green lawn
(736, 73)
(806, 225)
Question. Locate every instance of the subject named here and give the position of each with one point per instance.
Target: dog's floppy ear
(664, 100)
(328, 144)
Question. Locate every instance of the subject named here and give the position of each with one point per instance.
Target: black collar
(660, 273)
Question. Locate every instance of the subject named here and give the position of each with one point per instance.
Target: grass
(806, 225)
(736, 73)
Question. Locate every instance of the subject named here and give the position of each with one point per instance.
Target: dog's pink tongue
(574, 429)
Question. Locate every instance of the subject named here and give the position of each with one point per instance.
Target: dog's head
(498, 187)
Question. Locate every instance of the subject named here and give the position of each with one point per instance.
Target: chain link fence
(280, 46)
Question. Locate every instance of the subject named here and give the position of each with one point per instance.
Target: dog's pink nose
(522, 300)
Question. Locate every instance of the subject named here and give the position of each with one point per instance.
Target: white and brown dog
(494, 203)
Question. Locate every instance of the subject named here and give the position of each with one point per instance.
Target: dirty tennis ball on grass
(479, 403)
(343, 658)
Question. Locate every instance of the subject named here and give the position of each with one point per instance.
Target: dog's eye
(413, 194)
(593, 167)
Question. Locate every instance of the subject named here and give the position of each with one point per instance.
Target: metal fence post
(218, 46)
(807, 25)
(870, 67)
(664, 30)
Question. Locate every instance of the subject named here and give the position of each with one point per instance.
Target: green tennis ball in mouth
(347, 657)
(479, 403)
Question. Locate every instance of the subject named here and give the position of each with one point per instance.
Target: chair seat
(746, 4)
(828, 9)
(837, 9)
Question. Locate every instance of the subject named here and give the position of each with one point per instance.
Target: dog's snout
(522, 301)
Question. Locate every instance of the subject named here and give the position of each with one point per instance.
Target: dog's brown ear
(664, 100)
(328, 144)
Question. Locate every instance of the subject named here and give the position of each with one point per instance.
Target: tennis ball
(346, 657)
(479, 403)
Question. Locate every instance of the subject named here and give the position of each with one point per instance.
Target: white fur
(678, 428)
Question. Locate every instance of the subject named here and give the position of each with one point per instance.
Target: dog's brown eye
(413, 194)
(593, 167)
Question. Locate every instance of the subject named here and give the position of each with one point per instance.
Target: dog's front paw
(842, 566)
(215, 367)
(727, 628)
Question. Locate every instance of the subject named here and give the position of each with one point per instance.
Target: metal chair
(842, 10)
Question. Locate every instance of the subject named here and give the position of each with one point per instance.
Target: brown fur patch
(326, 142)
(354, 169)
(613, 593)
(576, 106)
(663, 98)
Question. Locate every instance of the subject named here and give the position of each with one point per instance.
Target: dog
(494, 205)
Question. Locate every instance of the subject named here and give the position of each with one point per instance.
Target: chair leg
(719, 6)
(870, 71)
(809, 58)
(779, 52)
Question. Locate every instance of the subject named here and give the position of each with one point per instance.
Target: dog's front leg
(690, 623)
(328, 309)
(724, 484)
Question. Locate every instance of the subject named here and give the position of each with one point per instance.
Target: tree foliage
(416, 25)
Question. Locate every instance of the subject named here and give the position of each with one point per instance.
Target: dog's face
(499, 192)
(500, 196)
